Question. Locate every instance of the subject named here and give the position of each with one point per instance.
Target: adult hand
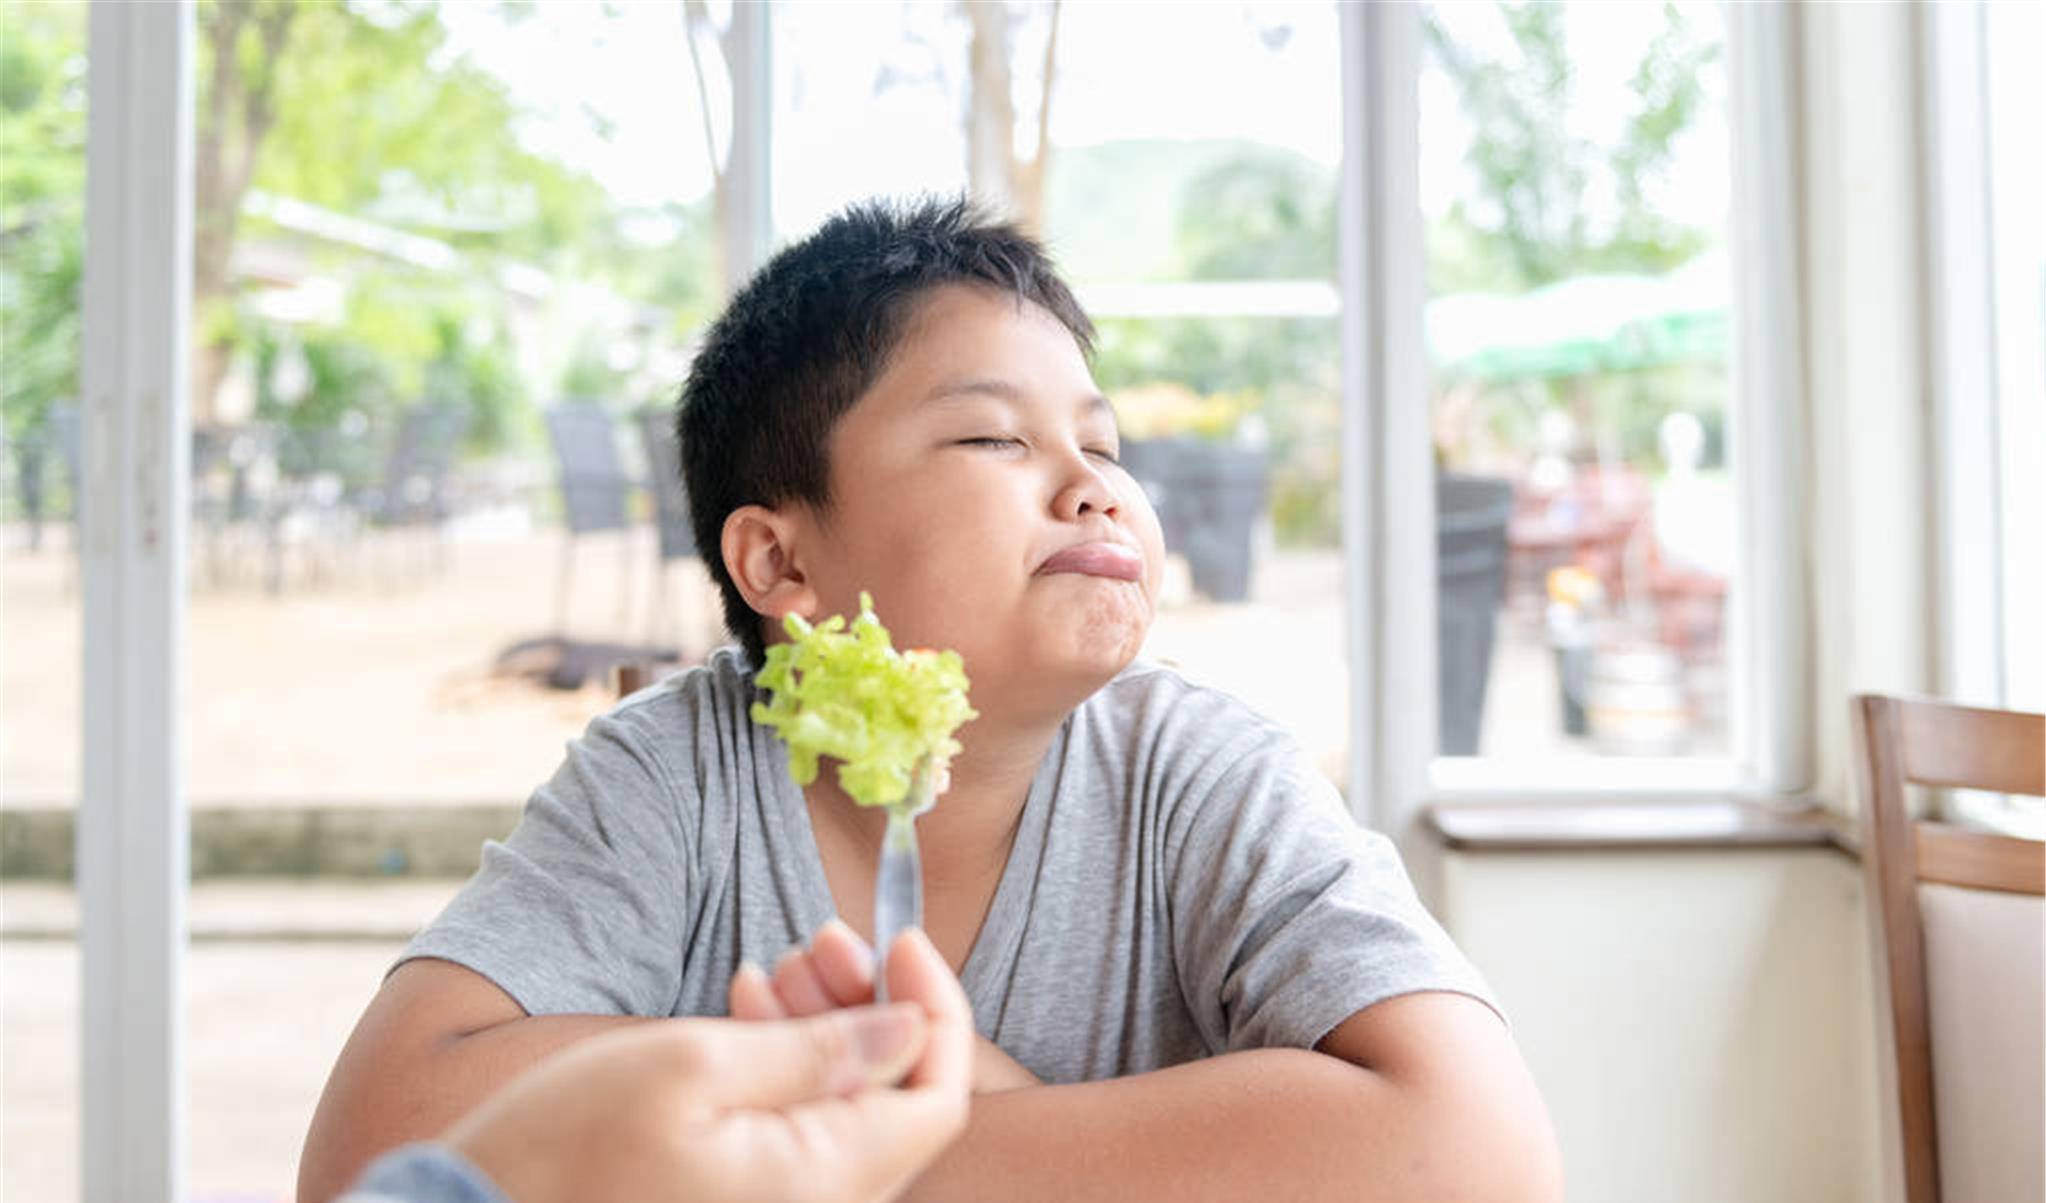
(712, 1110)
(836, 971)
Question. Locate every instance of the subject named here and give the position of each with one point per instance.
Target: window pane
(475, 244)
(42, 214)
(870, 99)
(1574, 183)
(1197, 223)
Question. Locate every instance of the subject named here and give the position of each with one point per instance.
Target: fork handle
(898, 892)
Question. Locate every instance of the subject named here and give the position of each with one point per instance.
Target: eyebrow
(1002, 390)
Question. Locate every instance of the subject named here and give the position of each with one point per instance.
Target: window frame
(133, 826)
(1975, 656)
(1387, 465)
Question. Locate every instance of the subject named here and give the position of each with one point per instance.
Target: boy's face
(976, 496)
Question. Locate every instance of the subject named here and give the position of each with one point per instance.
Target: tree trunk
(237, 116)
(1007, 183)
(991, 109)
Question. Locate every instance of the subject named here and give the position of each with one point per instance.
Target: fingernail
(748, 968)
(887, 1041)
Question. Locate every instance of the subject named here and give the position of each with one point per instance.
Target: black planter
(1471, 513)
(1209, 497)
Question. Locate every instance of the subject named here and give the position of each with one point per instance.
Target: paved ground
(265, 1020)
(360, 692)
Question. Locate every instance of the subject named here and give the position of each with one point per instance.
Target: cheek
(1143, 522)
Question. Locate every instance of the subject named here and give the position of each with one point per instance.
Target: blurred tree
(1546, 204)
(42, 208)
(361, 109)
(1529, 219)
(1265, 214)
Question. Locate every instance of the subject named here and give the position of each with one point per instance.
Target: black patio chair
(594, 492)
(31, 455)
(416, 489)
(671, 506)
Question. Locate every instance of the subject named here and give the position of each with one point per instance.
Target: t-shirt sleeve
(423, 1173)
(582, 909)
(1288, 916)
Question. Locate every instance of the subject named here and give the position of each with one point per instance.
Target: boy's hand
(837, 970)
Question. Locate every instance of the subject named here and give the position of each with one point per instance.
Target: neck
(970, 829)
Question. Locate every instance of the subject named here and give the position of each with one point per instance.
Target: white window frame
(1962, 336)
(132, 824)
(1973, 661)
(1388, 496)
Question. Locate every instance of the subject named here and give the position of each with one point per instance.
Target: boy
(1229, 987)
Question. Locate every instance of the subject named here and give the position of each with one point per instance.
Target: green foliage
(42, 207)
(373, 116)
(370, 113)
(1528, 223)
(1266, 214)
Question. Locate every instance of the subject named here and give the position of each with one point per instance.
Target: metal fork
(899, 883)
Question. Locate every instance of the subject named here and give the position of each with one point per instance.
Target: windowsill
(1621, 825)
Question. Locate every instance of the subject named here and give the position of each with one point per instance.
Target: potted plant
(1207, 478)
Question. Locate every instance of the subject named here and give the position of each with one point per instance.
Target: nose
(1086, 490)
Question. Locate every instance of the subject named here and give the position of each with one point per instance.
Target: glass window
(1193, 207)
(1574, 168)
(436, 339)
(42, 217)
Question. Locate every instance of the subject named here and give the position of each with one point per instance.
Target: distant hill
(1112, 209)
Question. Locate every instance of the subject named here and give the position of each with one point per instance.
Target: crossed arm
(1421, 1097)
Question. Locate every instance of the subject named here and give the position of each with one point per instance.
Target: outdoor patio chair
(31, 455)
(1960, 916)
(416, 486)
(594, 491)
(1471, 518)
(671, 511)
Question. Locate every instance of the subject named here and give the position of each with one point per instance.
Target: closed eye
(1104, 453)
(991, 441)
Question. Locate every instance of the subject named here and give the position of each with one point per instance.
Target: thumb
(780, 1063)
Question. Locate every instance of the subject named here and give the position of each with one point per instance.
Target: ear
(758, 546)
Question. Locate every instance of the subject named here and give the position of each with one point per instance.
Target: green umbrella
(1583, 325)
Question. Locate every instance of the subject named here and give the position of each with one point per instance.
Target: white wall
(1700, 1023)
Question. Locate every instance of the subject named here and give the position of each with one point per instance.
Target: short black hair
(809, 334)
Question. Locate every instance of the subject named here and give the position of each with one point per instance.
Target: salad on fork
(887, 717)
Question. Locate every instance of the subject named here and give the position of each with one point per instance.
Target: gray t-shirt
(1180, 884)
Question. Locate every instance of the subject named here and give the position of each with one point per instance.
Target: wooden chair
(1898, 742)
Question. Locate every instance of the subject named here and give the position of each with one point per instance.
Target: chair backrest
(593, 480)
(1900, 742)
(664, 470)
(422, 458)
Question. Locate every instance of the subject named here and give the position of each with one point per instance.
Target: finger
(773, 1065)
(844, 964)
(875, 1141)
(917, 973)
(797, 985)
(752, 995)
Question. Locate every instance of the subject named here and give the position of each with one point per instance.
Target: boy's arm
(435, 1041)
(1421, 1097)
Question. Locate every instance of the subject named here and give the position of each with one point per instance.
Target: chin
(1103, 636)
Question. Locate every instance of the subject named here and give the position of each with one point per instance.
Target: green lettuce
(846, 693)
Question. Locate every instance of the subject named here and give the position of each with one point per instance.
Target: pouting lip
(1118, 561)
